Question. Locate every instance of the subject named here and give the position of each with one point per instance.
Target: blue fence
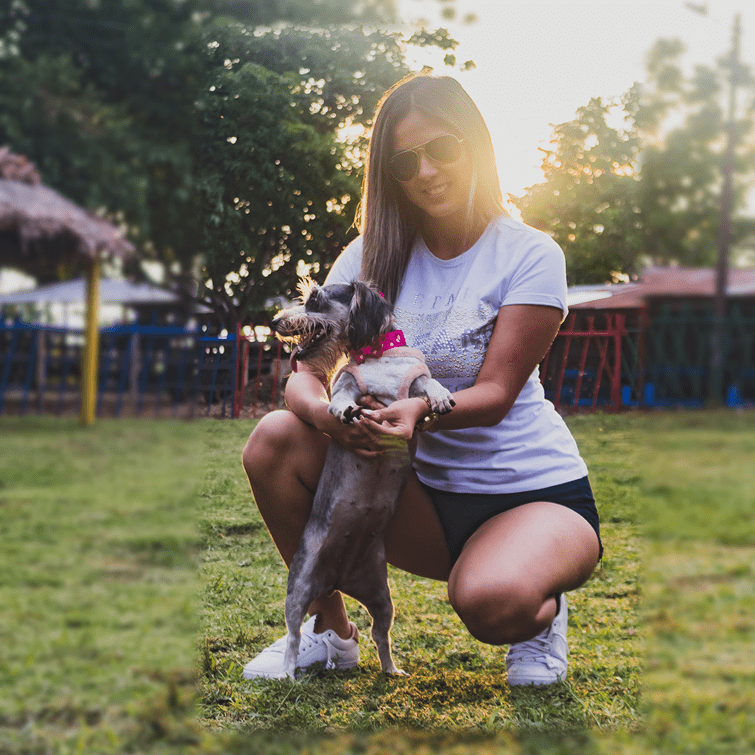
(143, 371)
(175, 372)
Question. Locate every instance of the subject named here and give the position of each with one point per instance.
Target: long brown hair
(387, 220)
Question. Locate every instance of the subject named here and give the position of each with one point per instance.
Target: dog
(342, 547)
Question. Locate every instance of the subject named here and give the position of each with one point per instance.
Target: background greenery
(222, 134)
(227, 137)
(114, 643)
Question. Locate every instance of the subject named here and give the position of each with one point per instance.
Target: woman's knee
(282, 443)
(268, 440)
(496, 612)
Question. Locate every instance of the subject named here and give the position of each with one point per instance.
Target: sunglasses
(444, 149)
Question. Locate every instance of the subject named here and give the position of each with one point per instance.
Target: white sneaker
(541, 660)
(326, 648)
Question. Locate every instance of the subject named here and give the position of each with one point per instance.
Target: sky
(537, 62)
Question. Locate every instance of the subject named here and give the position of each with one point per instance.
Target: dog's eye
(314, 302)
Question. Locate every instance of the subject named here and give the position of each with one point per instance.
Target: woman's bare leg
(505, 582)
(414, 540)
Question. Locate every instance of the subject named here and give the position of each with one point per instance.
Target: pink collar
(391, 340)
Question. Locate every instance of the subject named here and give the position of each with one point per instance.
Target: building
(648, 343)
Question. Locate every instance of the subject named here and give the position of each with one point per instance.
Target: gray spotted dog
(342, 547)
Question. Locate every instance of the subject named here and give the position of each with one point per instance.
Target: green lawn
(137, 580)
(98, 602)
(700, 586)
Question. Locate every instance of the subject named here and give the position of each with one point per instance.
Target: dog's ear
(370, 315)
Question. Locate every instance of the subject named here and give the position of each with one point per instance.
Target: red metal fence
(658, 357)
(266, 360)
(583, 368)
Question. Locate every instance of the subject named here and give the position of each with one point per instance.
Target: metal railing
(144, 370)
(599, 361)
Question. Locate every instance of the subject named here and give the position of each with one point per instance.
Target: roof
(111, 292)
(40, 213)
(592, 296)
(661, 282)
(31, 212)
(696, 281)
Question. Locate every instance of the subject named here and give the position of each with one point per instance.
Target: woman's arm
(522, 335)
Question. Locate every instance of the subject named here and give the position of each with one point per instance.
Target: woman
(499, 504)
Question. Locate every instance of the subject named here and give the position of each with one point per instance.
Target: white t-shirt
(447, 309)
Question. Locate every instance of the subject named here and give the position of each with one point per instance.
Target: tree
(680, 194)
(649, 190)
(278, 174)
(274, 195)
(589, 200)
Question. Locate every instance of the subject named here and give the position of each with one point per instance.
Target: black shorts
(463, 513)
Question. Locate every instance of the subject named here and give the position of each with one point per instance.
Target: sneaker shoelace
(309, 640)
(534, 649)
(279, 646)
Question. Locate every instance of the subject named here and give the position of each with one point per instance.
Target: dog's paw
(343, 410)
(352, 414)
(347, 414)
(440, 397)
(444, 406)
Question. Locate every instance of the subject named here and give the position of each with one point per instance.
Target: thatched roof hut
(40, 228)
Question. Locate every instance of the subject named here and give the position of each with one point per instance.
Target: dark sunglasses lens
(403, 165)
(444, 149)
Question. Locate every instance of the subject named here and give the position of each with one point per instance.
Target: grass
(97, 585)
(455, 683)
(700, 606)
(124, 625)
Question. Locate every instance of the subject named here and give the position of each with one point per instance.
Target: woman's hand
(362, 437)
(307, 397)
(398, 420)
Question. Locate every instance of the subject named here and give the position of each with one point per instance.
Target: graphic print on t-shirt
(454, 341)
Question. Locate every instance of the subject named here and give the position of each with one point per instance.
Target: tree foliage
(312, 13)
(221, 133)
(616, 197)
(681, 164)
(279, 174)
(275, 195)
(589, 200)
